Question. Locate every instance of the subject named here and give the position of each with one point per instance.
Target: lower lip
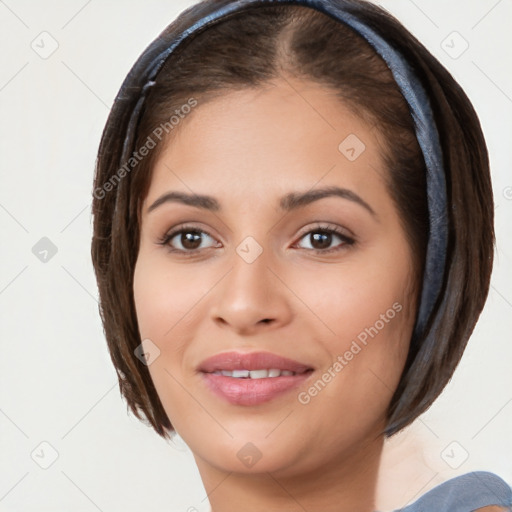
(252, 391)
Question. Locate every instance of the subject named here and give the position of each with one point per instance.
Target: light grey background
(58, 386)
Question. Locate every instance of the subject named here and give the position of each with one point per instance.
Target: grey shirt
(464, 493)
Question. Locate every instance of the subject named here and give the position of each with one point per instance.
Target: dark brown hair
(248, 49)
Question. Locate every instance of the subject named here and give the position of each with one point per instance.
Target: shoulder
(465, 493)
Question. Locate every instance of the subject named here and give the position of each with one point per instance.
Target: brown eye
(321, 239)
(190, 239)
(187, 240)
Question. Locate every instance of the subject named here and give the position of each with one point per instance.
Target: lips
(252, 378)
(230, 361)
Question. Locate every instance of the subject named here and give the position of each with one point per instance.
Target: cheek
(164, 300)
(168, 308)
(365, 318)
(366, 325)
(362, 310)
(369, 293)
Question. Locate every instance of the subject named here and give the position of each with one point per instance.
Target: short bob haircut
(247, 49)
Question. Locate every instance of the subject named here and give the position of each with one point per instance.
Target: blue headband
(152, 60)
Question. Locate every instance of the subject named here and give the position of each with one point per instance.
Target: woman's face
(272, 262)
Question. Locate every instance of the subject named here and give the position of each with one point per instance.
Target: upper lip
(251, 361)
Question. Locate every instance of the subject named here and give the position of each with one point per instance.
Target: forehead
(289, 134)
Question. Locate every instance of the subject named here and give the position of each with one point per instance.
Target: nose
(252, 297)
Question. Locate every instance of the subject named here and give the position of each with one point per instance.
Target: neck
(343, 484)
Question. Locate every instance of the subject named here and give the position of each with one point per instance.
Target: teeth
(254, 374)
(258, 374)
(240, 373)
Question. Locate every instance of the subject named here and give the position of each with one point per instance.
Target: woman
(293, 240)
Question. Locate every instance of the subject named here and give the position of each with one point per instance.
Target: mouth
(252, 378)
(255, 374)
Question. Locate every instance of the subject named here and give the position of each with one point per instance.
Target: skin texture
(248, 149)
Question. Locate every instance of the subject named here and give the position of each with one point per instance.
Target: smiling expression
(261, 232)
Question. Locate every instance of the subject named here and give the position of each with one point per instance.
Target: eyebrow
(289, 202)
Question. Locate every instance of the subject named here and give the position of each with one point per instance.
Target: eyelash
(324, 229)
